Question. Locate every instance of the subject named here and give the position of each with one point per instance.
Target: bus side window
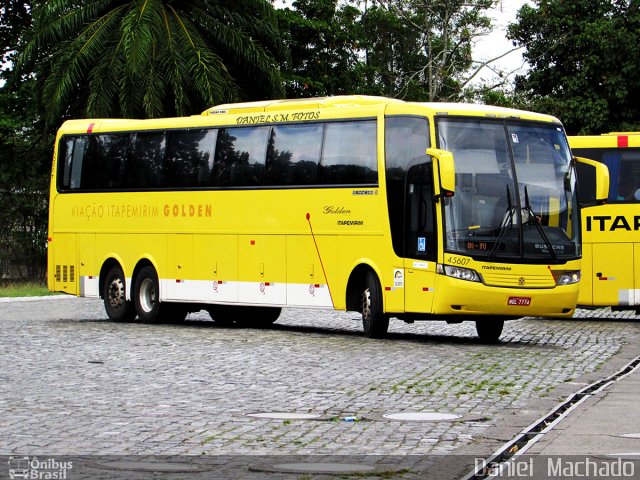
(105, 161)
(65, 155)
(189, 161)
(406, 140)
(293, 154)
(77, 162)
(421, 227)
(349, 155)
(240, 157)
(112, 154)
(628, 184)
(146, 156)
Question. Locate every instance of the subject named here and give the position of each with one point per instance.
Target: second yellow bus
(611, 232)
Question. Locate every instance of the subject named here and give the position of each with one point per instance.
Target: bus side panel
(65, 271)
(420, 285)
(612, 273)
(88, 278)
(262, 269)
(306, 282)
(346, 254)
(179, 272)
(585, 296)
(216, 267)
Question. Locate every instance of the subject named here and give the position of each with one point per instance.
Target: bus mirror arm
(445, 170)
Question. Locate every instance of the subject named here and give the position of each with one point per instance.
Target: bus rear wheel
(489, 329)
(147, 300)
(116, 305)
(374, 322)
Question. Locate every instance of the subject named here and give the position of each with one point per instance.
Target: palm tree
(149, 58)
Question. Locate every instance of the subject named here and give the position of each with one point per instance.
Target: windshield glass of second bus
(515, 191)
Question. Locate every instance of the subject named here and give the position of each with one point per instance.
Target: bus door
(420, 240)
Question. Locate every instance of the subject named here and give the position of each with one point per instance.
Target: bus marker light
(623, 141)
(90, 127)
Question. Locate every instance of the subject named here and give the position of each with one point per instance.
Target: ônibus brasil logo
(38, 469)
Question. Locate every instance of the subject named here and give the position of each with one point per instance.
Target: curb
(35, 299)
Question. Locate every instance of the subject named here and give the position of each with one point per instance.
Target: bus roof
(606, 140)
(351, 101)
(301, 103)
(317, 103)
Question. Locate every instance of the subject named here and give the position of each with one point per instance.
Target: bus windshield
(515, 191)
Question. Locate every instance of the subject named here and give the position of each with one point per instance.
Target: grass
(24, 290)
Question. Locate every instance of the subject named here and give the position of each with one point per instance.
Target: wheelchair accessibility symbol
(422, 244)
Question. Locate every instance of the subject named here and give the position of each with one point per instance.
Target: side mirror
(445, 166)
(593, 181)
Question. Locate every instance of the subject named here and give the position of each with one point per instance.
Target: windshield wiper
(507, 222)
(534, 219)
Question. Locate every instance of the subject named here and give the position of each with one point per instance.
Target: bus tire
(489, 329)
(374, 322)
(147, 295)
(116, 305)
(222, 315)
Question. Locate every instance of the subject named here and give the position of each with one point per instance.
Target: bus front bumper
(459, 297)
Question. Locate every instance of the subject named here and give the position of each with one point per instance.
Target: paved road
(72, 382)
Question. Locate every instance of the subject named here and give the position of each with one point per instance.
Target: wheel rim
(147, 295)
(115, 294)
(366, 305)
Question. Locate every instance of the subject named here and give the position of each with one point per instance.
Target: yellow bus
(611, 232)
(414, 211)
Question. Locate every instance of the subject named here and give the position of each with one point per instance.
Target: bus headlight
(459, 272)
(568, 278)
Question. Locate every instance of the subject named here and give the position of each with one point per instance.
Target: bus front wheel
(489, 329)
(374, 322)
(116, 305)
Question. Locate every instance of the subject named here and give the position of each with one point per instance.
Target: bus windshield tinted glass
(515, 191)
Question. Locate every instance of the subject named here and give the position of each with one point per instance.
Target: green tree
(322, 37)
(25, 162)
(392, 53)
(585, 62)
(25, 157)
(151, 58)
(446, 31)
(413, 49)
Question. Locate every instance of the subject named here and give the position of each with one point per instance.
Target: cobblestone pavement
(72, 382)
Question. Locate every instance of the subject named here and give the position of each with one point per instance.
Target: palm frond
(146, 58)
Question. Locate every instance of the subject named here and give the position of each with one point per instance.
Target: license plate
(519, 301)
